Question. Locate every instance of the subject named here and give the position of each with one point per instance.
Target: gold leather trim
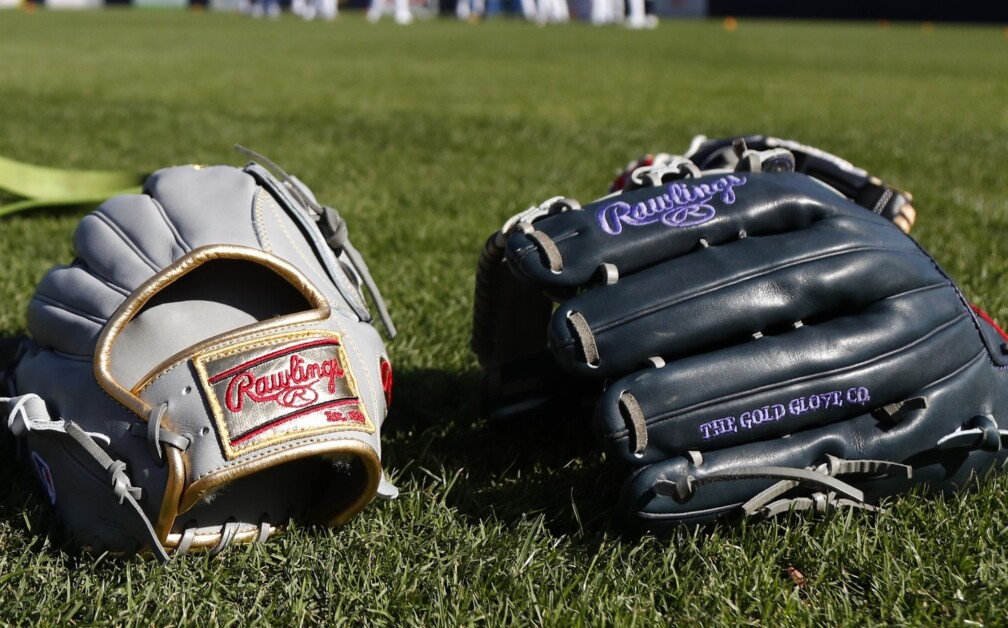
(363, 451)
(207, 540)
(135, 302)
(173, 492)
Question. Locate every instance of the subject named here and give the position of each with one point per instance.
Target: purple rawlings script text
(679, 205)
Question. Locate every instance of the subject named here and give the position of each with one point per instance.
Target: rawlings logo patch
(294, 385)
(278, 388)
(678, 206)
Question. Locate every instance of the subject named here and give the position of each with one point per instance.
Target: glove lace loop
(487, 283)
(156, 436)
(634, 417)
(838, 493)
(981, 432)
(665, 168)
(832, 492)
(120, 482)
(227, 534)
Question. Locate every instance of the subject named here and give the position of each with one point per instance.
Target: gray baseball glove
(206, 369)
(750, 338)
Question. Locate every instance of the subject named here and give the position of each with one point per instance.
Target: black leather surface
(786, 317)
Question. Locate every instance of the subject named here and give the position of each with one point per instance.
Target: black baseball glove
(752, 339)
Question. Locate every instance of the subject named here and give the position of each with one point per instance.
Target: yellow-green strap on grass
(39, 187)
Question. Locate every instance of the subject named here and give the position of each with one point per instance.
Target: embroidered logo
(291, 386)
(679, 205)
(45, 477)
(856, 396)
(279, 388)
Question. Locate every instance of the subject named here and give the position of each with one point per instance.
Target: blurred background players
(268, 8)
(606, 12)
(637, 16)
(401, 14)
(613, 12)
(311, 9)
(471, 10)
(553, 12)
(529, 10)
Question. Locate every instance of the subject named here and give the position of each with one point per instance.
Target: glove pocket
(261, 401)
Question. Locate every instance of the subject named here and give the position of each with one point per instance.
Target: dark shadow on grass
(21, 507)
(507, 472)
(546, 466)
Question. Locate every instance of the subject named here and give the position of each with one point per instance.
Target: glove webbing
(490, 277)
(853, 182)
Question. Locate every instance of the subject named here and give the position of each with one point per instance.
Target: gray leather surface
(124, 243)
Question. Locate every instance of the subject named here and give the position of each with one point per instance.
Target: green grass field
(427, 138)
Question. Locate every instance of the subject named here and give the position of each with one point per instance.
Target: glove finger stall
(714, 482)
(640, 228)
(778, 385)
(720, 295)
